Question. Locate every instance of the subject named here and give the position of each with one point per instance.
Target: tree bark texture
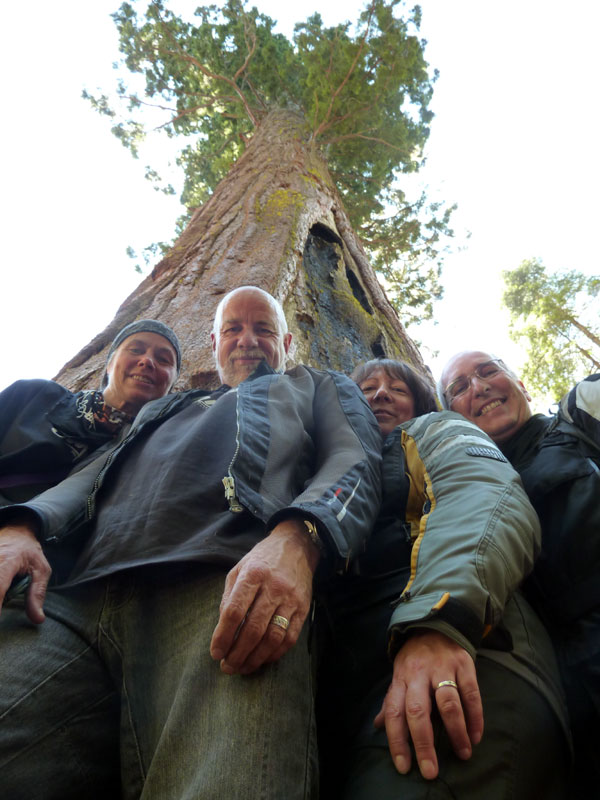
(276, 221)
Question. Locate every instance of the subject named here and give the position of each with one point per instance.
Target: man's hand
(424, 661)
(21, 554)
(274, 578)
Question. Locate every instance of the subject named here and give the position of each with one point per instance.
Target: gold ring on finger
(446, 683)
(281, 622)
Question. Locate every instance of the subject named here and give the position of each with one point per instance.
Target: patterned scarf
(98, 415)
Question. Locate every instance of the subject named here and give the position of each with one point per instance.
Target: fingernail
(465, 753)
(402, 764)
(226, 668)
(427, 768)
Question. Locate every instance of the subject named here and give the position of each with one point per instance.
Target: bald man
(203, 530)
(558, 459)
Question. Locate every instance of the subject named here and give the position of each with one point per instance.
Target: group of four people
(231, 529)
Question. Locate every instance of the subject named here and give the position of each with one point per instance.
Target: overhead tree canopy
(362, 91)
(557, 314)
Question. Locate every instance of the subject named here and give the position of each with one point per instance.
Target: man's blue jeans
(183, 728)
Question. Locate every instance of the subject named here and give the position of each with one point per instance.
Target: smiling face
(142, 368)
(249, 332)
(498, 404)
(390, 399)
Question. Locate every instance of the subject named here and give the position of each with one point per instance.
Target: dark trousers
(524, 753)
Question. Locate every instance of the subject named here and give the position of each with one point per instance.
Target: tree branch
(367, 138)
(576, 344)
(588, 355)
(586, 331)
(361, 108)
(209, 73)
(255, 93)
(250, 50)
(223, 78)
(335, 95)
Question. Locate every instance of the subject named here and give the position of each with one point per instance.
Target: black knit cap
(151, 326)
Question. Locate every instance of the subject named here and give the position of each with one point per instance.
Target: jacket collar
(262, 369)
(521, 447)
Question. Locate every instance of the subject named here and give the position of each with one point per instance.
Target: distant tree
(362, 91)
(557, 314)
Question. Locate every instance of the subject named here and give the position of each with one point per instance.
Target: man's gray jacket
(306, 445)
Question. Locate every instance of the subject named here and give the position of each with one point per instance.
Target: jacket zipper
(229, 480)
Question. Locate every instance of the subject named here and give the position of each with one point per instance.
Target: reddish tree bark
(276, 221)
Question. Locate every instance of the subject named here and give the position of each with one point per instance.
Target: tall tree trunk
(276, 221)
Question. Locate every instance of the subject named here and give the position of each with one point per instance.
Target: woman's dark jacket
(43, 435)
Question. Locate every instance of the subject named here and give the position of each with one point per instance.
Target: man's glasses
(484, 371)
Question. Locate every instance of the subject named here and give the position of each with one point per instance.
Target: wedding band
(446, 683)
(281, 622)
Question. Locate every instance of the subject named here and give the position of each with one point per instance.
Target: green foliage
(416, 231)
(364, 92)
(557, 314)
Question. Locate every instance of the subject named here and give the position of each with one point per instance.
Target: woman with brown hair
(434, 593)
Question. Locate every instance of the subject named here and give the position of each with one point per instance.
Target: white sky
(514, 143)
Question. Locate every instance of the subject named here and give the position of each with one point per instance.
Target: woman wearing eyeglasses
(427, 637)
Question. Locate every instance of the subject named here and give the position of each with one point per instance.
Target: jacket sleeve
(344, 492)
(17, 396)
(61, 509)
(23, 406)
(475, 535)
(581, 406)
